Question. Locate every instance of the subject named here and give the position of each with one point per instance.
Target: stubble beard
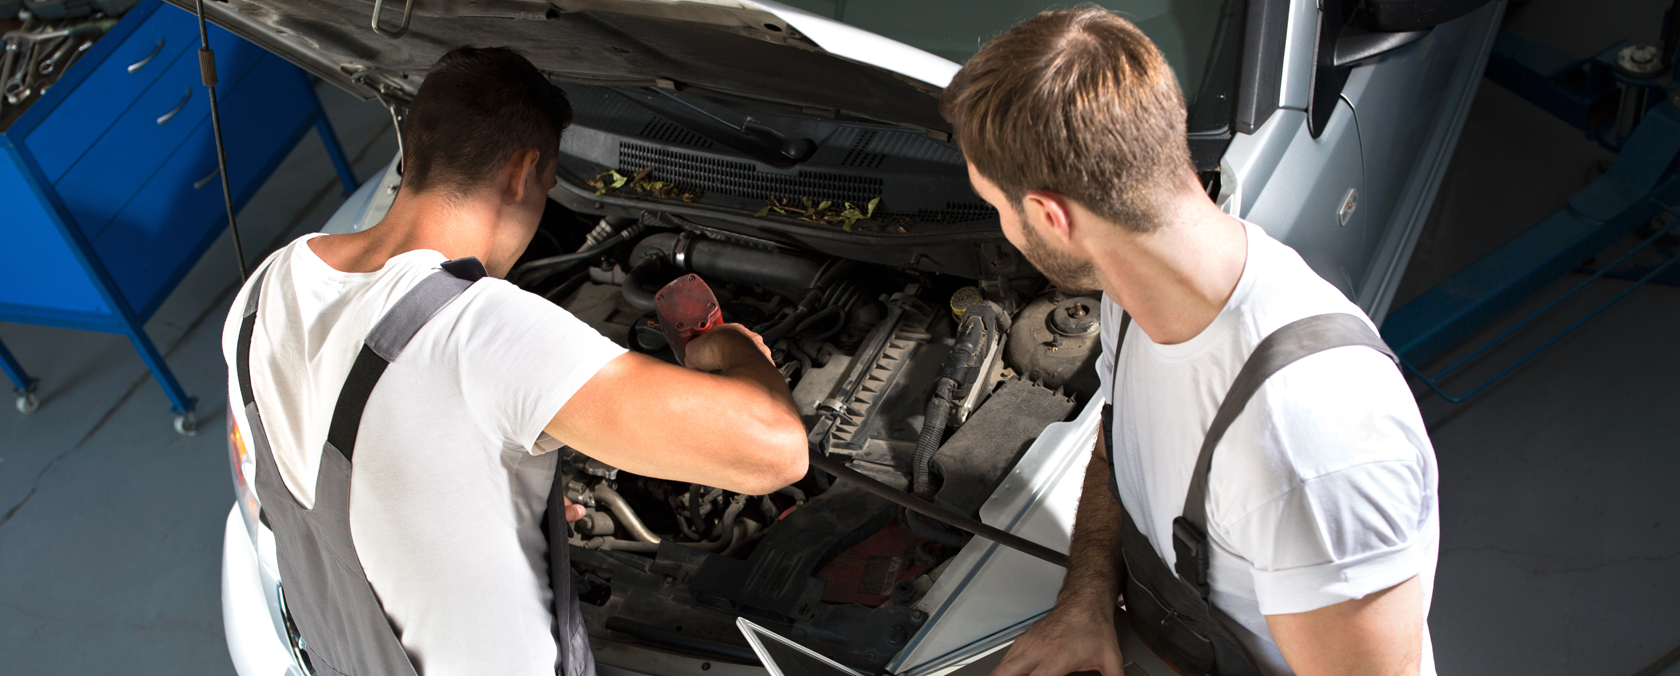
(1071, 274)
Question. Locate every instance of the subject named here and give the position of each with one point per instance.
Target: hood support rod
(207, 71)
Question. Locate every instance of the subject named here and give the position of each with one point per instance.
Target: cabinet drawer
(85, 113)
(110, 172)
(106, 176)
(179, 210)
(161, 227)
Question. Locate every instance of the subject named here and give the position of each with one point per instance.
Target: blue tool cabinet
(109, 191)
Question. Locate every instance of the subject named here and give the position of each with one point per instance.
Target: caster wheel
(186, 425)
(28, 403)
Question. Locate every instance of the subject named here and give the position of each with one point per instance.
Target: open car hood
(749, 48)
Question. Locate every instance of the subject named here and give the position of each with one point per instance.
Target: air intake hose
(782, 272)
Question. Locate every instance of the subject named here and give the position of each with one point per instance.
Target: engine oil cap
(964, 299)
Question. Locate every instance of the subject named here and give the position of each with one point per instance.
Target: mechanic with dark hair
(1307, 543)
(399, 351)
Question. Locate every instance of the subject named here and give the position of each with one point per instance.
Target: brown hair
(476, 109)
(1078, 101)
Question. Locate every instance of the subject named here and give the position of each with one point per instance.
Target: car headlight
(244, 471)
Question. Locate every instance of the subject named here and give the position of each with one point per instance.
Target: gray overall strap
(1108, 408)
(1283, 347)
(338, 616)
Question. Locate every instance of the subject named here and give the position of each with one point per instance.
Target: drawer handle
(200, 183)
(171, 114)
(137, 65)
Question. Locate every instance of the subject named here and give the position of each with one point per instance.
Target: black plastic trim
(1260, 80)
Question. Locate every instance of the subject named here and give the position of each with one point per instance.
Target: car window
(1185, 30)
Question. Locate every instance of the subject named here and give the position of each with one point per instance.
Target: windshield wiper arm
(758, 142)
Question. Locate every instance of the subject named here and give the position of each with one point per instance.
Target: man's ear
(1049, 211)
(525, 164)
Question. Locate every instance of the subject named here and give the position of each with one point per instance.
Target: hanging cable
(207, 69)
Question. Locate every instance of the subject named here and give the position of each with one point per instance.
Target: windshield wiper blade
(757, 142)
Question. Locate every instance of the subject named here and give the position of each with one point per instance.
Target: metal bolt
(1642, 60)
(1077, 311)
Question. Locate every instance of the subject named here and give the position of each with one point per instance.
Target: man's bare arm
(736, 429)
(1381, 634)
(1078, 634)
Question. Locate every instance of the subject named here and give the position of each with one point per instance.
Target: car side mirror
(1401, 16)
(1356, 45)
(1353, 31)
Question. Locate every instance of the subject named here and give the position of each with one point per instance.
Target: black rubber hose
(798, 354)
(556, 264)
(636, 284)
(822, 462)
(957, 371)
(785, 326)
(559, 293)
(782, 272)
(826, 312)
(933, 433)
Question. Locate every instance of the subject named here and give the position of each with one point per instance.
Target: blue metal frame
(122, 318)
(1641, 185)
(1582, 92)
(23, 384)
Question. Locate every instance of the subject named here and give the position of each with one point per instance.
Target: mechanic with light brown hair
(1307, 544)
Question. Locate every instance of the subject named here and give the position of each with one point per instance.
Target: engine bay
(914, 378)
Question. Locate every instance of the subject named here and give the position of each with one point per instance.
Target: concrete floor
(1559, 554)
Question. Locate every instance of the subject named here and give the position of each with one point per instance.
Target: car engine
(914, 378)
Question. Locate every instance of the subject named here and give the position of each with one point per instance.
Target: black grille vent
(859, 155)
(671, 132)
(957, 212)
(740, 179)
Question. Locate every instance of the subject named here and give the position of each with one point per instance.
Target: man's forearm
(1094, 562)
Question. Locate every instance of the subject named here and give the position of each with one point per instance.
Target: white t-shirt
(1323, 490)
(447, 491)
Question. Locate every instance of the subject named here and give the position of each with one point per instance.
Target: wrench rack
(106, 179)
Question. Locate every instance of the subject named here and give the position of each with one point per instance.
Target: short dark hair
(1078, 101)
(476, 109)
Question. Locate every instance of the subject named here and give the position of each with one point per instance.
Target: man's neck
(1175, 280)
(455, 229)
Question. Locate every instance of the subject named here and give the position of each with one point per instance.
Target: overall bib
(343, 626)
(1168, 606)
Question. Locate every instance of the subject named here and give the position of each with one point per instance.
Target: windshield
(1186, 31)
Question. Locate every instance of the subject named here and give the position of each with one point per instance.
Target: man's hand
(724, 347)
(573, 512)
(1067, 640)
(1078, 634)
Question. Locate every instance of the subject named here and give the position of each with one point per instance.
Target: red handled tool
(686, 309)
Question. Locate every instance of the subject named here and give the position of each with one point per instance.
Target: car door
(1311, 201)
(1410, 104)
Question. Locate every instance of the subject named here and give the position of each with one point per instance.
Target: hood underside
(758, 50)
